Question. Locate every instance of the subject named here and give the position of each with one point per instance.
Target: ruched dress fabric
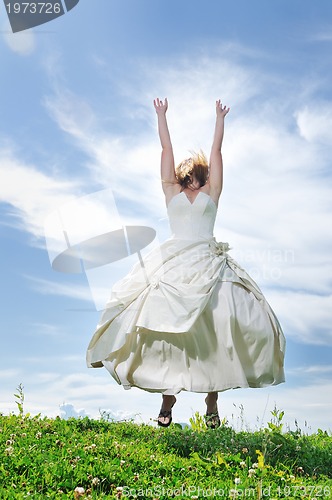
(188, 317)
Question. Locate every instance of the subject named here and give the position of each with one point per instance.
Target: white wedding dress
(190, 318)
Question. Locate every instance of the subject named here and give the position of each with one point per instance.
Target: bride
(194, 320)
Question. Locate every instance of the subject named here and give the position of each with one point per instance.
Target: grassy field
(97, 459)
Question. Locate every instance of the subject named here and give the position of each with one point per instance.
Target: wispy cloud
(72, 290)
(317, 372)
(325, 35)
(9, 374)
(305, 316)
(31, 193)
(319, 369)
(47, 330)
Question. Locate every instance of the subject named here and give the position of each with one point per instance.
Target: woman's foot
(212, 419)
(165, 415)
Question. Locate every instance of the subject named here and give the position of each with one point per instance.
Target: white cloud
(318, 371)
(315, 122)
(304, 316)
(9, 374)
(68, 411)
(31, 193)
(126, 170)
(47, 330)
(22, 43)
(78, 120)
(72, 290)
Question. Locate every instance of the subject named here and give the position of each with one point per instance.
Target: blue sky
(78, 130)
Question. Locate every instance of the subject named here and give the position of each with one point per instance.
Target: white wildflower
(79, 492)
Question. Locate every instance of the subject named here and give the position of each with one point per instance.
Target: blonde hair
(197, 166)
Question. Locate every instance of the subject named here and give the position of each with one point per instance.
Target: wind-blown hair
(197, 166)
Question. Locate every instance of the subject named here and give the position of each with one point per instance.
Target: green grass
(83, 458)
(95, 459)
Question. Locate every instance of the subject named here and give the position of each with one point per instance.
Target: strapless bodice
(192, 221)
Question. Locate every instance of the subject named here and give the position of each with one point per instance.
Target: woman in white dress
(190, 318)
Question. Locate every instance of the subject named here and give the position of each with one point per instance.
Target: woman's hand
(160, 106)
(221, 110)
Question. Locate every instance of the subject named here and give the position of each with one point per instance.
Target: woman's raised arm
(216, 164)
(167, 158)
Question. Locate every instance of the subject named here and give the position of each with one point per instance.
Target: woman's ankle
(211, 402)
(168, 402)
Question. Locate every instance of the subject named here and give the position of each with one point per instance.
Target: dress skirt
(190, 319)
